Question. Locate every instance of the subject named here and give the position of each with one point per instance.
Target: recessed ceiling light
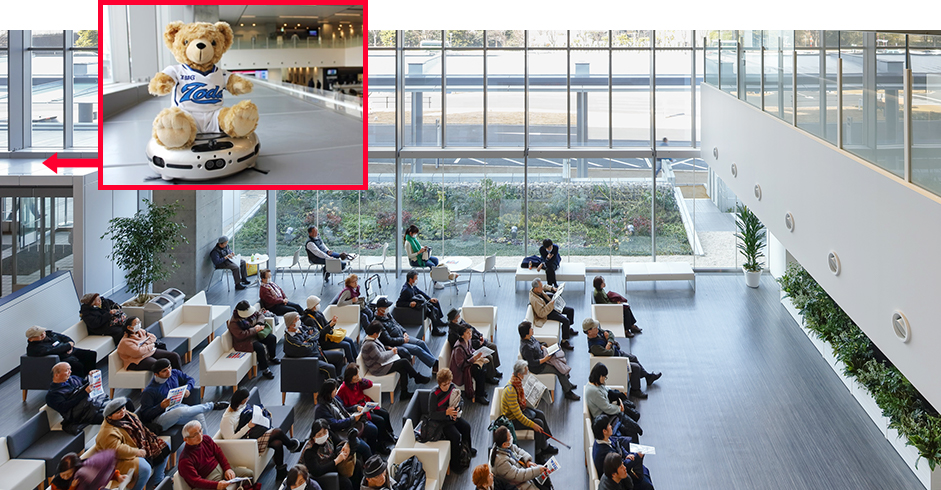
(248, 16)
(298, 17)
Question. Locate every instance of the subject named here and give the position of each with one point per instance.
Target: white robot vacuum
(212, 155)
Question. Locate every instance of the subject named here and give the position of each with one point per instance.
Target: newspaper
(551, 466)
(533, 390)
(176, 396)
(94, 380)
(258, 417)
(637, 448)
(236, 483)
(485, 351)
(559, 302)
(370, 405)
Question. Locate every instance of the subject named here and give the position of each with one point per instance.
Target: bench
(217, 369)
(567, 272)
(434, 456)
(220, 313)
(658, 271)
(20, 474)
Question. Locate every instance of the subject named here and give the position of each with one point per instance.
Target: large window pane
(245, 219)
(422, 113)
(4, 98)
(589, 97)
(465, 101)
(505, 39)
(48, 98)
(751, 47)
(631, 97)
(547, 98)
(505, 97)
(547, 39)
(674, 109)
(926, 112)
(85, 99)
(48, 39)
(381, 97)
(779, 50)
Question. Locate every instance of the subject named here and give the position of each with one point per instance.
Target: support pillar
(202, 215)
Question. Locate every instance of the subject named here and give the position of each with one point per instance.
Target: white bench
(20, 474)
(434, 456)
(220, 313)
(658, 271)
(567, 272)
(496, 405)
(101, 344)
(217, 369)
(548, 332)
(192, 322)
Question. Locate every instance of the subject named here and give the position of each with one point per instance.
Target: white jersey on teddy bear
(199, 94)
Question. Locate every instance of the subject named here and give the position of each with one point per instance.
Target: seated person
(330, 408)
(244, 326)
(394, 335)
(415, 250)
(299, 479)
(535, 354)
(74, 473)
(138, 348)
(615, 476)
(155, 406)
(70, 396)
(317, 251)
(299, 341)
(237, 424)
(350, 295)
(602, 298)
(272, 297)
(602, 401)
(602, 343)
(136, 446)
(483, 479)
(352, 395)
(375, 476)
(606, 443)
(512, 463)
(375, 354)
(325, 451)
(550, 260)
(477, 341)
(222, 258)
(203, 465)
(544, 309)
(468, 367)
(446, 419)
(513, 405)
(42, 342)
(102, 316)
(413, 297)
(314, 319)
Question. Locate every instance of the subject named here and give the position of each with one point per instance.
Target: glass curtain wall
(48, 109)
(84, 50)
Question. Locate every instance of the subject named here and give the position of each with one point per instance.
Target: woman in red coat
(351, 394)
(244, 326)
(467, 366)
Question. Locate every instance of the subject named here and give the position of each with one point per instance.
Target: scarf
(143, 438)
(354, 292)
(517, 383)
(416, 247)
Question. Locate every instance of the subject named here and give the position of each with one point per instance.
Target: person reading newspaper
(513, 404)
(162, 401)
(540, 361)
(73, 398)
(544, 309)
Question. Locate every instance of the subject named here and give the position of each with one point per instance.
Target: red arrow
(54, 163)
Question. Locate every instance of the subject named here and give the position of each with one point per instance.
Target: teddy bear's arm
(161, 84)
(238, 85)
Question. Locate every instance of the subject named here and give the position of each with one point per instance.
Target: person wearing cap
(375, 475)
(314, 319)
(477, 341)
(244, 326)
(317, 251)
(70, 396)
(42, 342)
(601, 343)
(541, 362)
(544, 310)
(375, 356)
(272, 297)
(606, 443)
(202, 463)
(605, 298)
(602, 401)
(221, 257)
(413, 297)
(300, 342)
(394, 335)
(512, 463)
(155, 406)
(135, 445)
(138, 348)
(102, 316)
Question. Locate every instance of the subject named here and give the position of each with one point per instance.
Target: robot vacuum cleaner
(212, 155)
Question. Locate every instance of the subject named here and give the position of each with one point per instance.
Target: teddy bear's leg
(175, 129)
(239, 120)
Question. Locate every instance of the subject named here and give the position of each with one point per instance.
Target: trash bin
(176, 295)
(156, 308)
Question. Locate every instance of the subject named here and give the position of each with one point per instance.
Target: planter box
(865, 400)
(138, 311)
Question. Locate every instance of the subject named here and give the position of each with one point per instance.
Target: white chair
(370, 262)
(489, 265)
(189, 321)
(547, 379)
(220, 313)
(347, 319)
(593, 480)
(282, 265)
(101, 344)
(548, 332)
(444, 355)
(20, 474)
(221, 277)
(217, 369)
(118, 377)
(495, 403)
(611, 317)
(434, 456)
(239, 452)
(619, 370)
(335, 266)
(387, 382)
(483, 318)
(442, 275)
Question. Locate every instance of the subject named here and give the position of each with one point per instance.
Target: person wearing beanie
(71, 397)
(223, 257)
(102, 316)
(455, 322)
(272, 297)
(138, 348)
(158, 409)
(42, 342)
(135, 445)
(315, 320)
(601, 343)
(375, 475)
(299, 341)
(245, 326)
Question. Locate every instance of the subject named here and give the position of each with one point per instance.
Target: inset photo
(233, 96)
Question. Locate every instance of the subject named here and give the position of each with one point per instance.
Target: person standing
(221, 256)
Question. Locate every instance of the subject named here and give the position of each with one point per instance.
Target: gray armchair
(281, 417)
(36, 372)
(35, 440)
(412, 319)
(300, 375)
(417, 407)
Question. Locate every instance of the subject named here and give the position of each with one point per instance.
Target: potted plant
(752, 235)
(140, 244)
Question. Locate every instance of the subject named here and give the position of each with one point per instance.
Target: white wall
(775, 256)
(93, 271)
(885, 231)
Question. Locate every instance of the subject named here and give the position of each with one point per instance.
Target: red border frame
(363, 186)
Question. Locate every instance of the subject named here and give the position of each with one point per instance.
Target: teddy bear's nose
(200, 45)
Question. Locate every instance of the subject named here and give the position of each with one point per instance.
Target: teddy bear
(197, 85)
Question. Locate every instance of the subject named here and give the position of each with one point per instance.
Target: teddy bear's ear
(170, 33)
(226, 32)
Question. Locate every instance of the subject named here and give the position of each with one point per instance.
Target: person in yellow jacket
(513, 405)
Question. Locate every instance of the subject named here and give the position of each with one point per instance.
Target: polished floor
(745, 402)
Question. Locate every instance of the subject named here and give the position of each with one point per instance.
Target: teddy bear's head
(199, 44)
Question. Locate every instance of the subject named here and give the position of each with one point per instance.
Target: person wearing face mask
(136, 446)
(330, 408)
(237, 424)
(245, 326)
(324, 452)
(299, 479)
(138, 349)
(512, 463)
(102, 316)
(155, 406)
(375, 475)
(314, 319)
(352, 395)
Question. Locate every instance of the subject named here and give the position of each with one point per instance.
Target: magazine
(236, 483)
(258, 417)
(552, 349)
(176, 396)
(637, 448)
(551, 466)
(94, 379)
(370, 405)
(485, 351)
(236, 355)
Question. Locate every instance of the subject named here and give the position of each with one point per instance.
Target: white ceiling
(285, 14)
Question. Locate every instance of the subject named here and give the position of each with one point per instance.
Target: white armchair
(619, 370)
(434, 456)
(548, 332)
(611, 317)
(118, 377)
(444, 355)
(239, 452)
(217, 369)
(593, 480)
(220, 313)
(347, 319)
(484, 318)
(387, 382)
(193, 322)
(21, 474)
(101, 344)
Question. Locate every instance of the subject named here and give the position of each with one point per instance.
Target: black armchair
(281, 417)
(417, 407)
(412, 319)
(300, 375)
(180, 345)
(35, 440)
(36, 372)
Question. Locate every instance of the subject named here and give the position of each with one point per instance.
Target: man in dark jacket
(155, 406)
(102, 316)
(394, 335)
(531, 351)
(455, 322)
(69, 396)
(606, 443)
(220, 256)
(42, 342)
(601, 343)
(412, 297)
(300, 341)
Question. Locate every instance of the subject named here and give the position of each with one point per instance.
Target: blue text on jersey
(194, 92)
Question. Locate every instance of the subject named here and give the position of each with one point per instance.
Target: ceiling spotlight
(241, 25)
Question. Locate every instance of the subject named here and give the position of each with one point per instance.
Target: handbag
(337, 335)
(265, 331)
(346, 468)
